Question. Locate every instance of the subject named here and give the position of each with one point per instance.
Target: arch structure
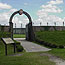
(29, 29)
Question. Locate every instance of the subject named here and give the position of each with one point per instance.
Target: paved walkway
(30, 46)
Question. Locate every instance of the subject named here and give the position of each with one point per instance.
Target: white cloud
(56, 2)
(50, 19)
(5, 6)
(41, 13)
(5, 16)
(12, 10)
(51, 7)
(20, 20)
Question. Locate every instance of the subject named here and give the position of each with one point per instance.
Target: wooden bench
(7, 41)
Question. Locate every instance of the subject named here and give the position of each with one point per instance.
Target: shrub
(54, 46)
(5, 34)
(61, 46)
(19, 48)
(45, 43)
(16, 42)
(39, 41)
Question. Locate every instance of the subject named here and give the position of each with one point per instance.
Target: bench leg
(5, 49)
(14, 47)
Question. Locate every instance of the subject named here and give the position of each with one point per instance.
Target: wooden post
(14, 47)
(63, 23)
(47, 23)
(15, 28)
(11, 29)
(6, 49)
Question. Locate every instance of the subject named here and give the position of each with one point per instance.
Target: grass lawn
(34, 58)
(54, 37)
(25, 59)
(58, 52)
(19, 35)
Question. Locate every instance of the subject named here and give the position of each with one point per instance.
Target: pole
(15, 28)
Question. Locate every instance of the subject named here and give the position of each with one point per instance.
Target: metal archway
(20, 12)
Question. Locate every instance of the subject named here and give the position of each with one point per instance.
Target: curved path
(30, 46)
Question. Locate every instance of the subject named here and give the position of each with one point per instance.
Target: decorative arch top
(20, 12)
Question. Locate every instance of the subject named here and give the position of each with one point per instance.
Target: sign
(8, 40)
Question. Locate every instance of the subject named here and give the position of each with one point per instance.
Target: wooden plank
(8, 40)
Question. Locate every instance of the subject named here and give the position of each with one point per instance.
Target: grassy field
(34, 58)
(25, 59)
(54, 37)
(19, 35)
(58, 52)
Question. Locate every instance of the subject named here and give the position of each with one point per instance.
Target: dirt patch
(16, 54)
(55, 59)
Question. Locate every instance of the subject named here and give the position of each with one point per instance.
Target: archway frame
(20, 12)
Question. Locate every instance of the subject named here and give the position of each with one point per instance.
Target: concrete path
(30, 46)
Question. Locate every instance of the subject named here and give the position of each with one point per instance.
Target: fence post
(40, 23)
(63, 23)
(33, 23)
(0, 27)
(21, 28)
(47, 23)
(15, 28)
(55, 23)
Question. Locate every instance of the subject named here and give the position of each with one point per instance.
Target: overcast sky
(40, 11)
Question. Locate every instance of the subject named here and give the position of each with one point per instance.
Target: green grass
(54, 37)
(58, 52)
(25, 59)
(4, 34)
(19, 35)
(34, 58)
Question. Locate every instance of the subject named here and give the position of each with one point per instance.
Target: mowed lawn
(54, 37)
(25, 59)
(19, 35)
(58, 52)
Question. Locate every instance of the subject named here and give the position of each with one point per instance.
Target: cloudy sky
(43, 11)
